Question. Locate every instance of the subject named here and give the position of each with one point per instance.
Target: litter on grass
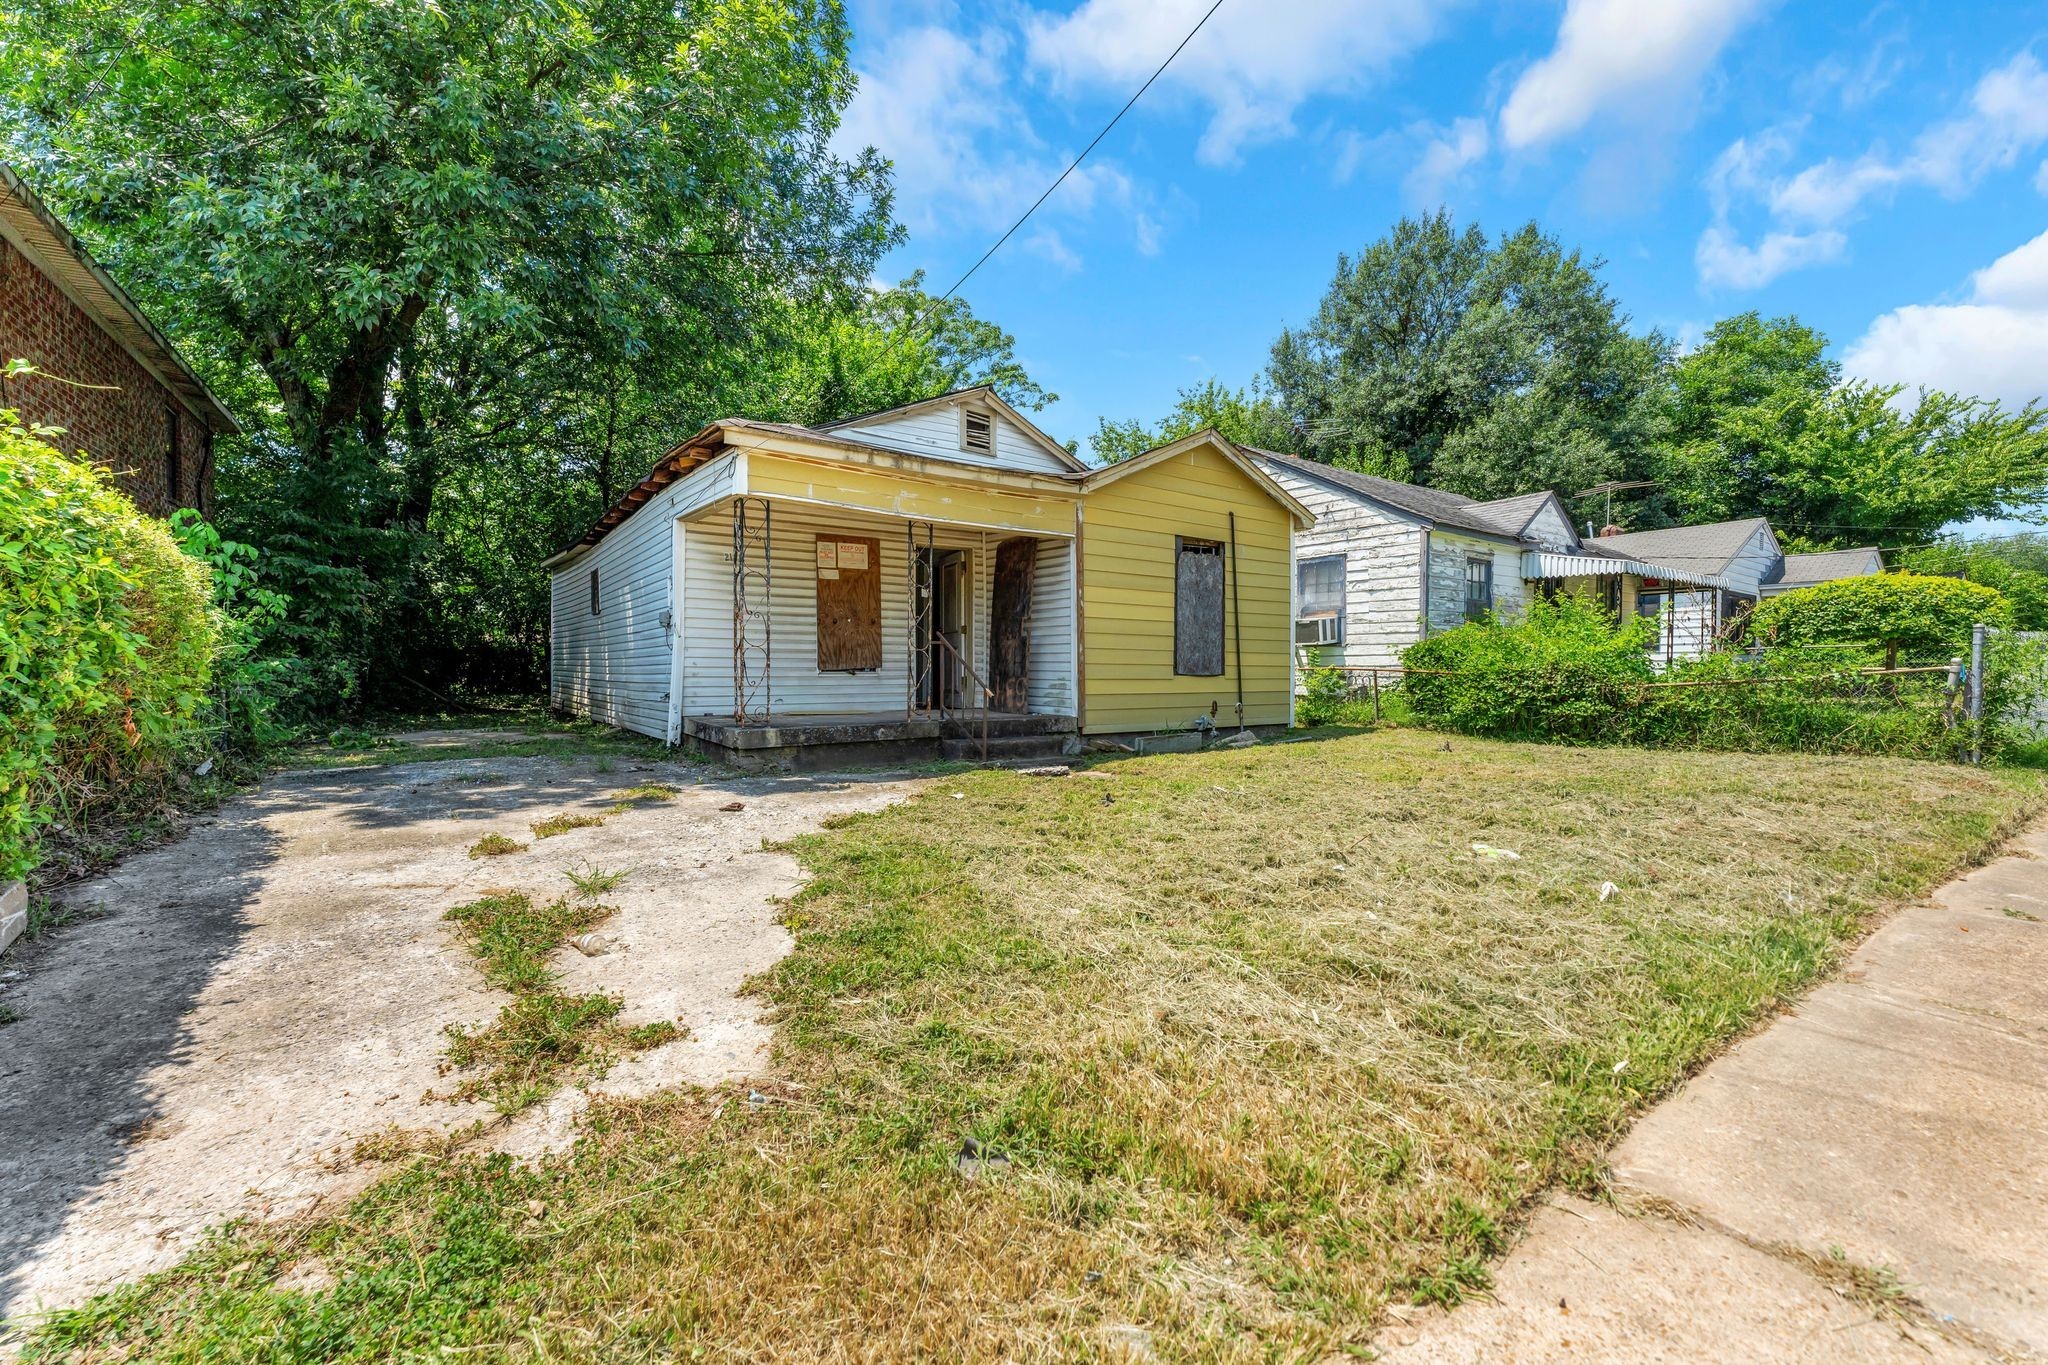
(1505, 855)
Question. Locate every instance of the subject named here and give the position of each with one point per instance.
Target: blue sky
(1880, 171)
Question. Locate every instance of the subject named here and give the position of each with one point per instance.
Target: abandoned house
(938, 577)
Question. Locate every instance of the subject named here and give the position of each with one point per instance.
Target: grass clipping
(1248, 1045)
(543, 1036)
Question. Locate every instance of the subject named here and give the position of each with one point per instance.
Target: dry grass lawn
(1239, 1048)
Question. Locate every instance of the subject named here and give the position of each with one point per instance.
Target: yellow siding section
(1127, 568)
(896, 494)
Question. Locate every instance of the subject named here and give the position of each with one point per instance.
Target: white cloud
(1619, 57)
(1253, 64)
(2005, 119)
(1445, 157)
(1049, 244)
(1995, 345)
(937, 104)
(1723, 259)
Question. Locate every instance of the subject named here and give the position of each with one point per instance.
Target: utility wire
(1072, 166)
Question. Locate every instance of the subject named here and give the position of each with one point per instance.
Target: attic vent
(978, 434)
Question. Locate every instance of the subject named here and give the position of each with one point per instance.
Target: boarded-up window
(174, 474)
(1198, 608)
(849, 603)
(593, 592)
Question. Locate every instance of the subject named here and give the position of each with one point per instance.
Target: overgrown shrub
(1917, 617)
(1561, 670)
(107, 636)
(1571, 673)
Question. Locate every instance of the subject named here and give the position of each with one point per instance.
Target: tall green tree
(1762, 424)
(403, 237)
(1488, 367)
(1248, 416)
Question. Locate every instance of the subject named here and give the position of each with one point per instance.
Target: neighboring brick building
(147, 416)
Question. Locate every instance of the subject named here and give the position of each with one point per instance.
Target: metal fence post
(1977, 634)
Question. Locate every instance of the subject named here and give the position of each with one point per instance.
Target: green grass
(562, 824)
(592, 882)
(543, 1036)
(1265, 1045)
(495, 846)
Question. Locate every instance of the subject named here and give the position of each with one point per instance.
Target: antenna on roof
(1613, 486)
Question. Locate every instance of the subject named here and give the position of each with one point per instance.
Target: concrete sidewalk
(1865, 1180)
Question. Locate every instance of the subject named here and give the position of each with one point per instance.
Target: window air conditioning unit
(1318, 630)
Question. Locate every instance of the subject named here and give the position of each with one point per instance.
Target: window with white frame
(977, 432)
(1478, 588)
(1319, 601)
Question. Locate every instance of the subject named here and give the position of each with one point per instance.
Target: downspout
(1425, 582)
(1237, 621)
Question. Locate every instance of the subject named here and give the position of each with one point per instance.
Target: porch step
(1008, 748)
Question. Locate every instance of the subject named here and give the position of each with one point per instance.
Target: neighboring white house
(1385, 557)
(1388, 562)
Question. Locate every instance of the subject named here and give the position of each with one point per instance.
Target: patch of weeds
(393, 1143)
(495, 846)
(605, 765)
(476, 779)
(2031, 918)
(543, 1035)
(593, 881)
(562, 824)
(9, 1015)
(46, 916)
(629, 798)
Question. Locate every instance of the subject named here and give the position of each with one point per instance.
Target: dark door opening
(945, 616)
(1009, 659)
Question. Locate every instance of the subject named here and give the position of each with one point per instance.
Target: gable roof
(726, 433)
(984, 393)
(1505, 519)
(1823, 566)
(1708, 549)
(1237, 455)
(33, 230)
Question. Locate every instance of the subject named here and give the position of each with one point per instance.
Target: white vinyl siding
(796, 687)
(1050, 687)
(614, 666)
(1753, 563)
(1450, 555)
(1549, 527)
(937, 431)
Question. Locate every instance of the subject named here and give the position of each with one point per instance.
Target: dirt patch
(264, 994)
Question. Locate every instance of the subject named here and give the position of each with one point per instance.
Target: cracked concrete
(1896, 1120)
(271, 988)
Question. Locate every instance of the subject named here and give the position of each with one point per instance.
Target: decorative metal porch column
(753, 583)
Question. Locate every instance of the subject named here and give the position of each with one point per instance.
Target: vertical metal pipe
(1237, 623)
(1977, 634)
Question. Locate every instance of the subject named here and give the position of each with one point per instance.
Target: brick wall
(127, 427)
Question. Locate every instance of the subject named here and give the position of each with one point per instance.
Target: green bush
(1568, 672)
(2015, 565)
(107, 636)
(1902, 615)
(1562, 670)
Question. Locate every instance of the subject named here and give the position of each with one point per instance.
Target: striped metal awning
(1555, 564)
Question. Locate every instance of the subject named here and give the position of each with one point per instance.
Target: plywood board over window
(849, 570)
(1198, 608)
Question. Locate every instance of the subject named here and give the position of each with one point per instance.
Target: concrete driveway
(1864, 1180)
(261, 994)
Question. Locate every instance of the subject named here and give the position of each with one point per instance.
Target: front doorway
(945, 629)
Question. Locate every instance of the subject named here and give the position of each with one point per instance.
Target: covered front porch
(1690, 608)
(816, 634)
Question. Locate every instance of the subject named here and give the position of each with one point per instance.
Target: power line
(1072, 166)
